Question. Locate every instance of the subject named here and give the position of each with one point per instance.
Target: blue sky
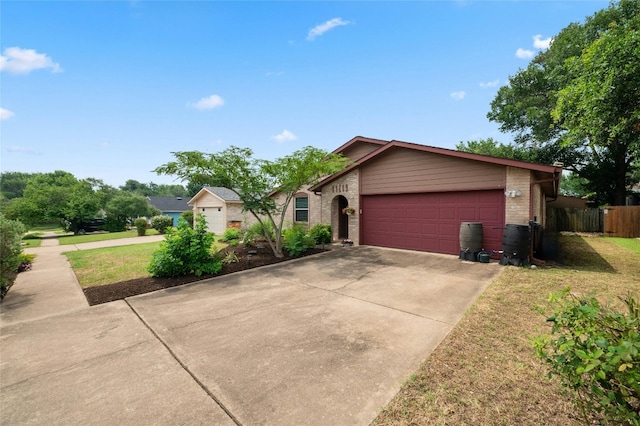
(109, 89)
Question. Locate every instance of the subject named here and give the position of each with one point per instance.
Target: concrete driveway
(323, 340)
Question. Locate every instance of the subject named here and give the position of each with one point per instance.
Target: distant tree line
(59, 197)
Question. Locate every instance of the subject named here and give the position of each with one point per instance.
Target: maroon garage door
(431, 221)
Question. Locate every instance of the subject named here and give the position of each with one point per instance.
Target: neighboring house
(411, 196)
(221, 208)
(170, 206)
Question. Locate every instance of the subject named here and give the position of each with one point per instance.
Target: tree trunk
(620, 188)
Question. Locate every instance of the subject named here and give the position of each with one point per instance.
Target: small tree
(141, 226)
(10, 248)
(257, 182)
(123, 208)
(188, 216)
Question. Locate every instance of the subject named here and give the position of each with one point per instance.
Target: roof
(394, 144)
(225, 194)
(169, 204)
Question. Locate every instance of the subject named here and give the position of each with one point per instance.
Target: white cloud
(524, 53)
(22, 61)
(285, 136)
(459, 95)
(320, 29)
(213, 101)
(493, 83)
(5, 114)
(539, 43)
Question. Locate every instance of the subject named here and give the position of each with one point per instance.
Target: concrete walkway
(323, 340)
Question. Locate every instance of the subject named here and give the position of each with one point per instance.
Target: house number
(340, 188)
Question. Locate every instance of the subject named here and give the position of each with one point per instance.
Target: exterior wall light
(512, 193)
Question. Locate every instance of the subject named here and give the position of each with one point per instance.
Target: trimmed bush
(141, 226)
(321, 233)
(595, 351)
(296, 241)
(161, 223)
(255, 232)
(185, 251)
(10, 249)
(231, 234)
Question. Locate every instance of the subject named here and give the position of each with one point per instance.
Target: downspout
(555, 179)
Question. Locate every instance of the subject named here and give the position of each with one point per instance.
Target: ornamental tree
(257, 181)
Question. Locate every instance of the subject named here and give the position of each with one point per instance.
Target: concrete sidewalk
(322, 340)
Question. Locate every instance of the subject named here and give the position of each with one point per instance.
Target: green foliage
(576, 102)
(188, 216)
(32, 236)
(230, 257)
(296, 241)
(496, 149)
(10, 248)
(258, 232)
(153, 189)
(231, 234)
(185, 251)
(26, 260)
(321, 233)
(255, 180)
(141, 226)
(161, 223)
(595, 352)
(123, 208)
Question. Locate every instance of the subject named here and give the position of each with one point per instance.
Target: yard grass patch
(111, 264)
(632, 244)
(90, 238)
(486, 370)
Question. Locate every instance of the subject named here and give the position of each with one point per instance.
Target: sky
(109, 89)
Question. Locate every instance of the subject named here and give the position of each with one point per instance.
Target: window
(301, 208)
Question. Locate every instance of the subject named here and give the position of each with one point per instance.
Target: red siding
(431, 221)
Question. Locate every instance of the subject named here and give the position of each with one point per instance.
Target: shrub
(595, 352)
(296, 241)
(321, 233)
(10, 248)
(26, 260)
(231, 234)
(230, 257)
(161, 223)
(141, 226)
(32, 236)
(256, 232)
(185, 251)
(188, 216)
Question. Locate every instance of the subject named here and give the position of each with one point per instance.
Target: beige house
(221, 208)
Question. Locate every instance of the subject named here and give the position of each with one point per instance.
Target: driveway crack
(184, 366)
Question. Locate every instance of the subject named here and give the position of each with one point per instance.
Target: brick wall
(347, 186)
(517, 208)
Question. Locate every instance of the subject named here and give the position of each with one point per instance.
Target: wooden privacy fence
(575, 220)
(622, 221)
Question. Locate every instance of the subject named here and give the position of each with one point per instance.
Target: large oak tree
(580, 101)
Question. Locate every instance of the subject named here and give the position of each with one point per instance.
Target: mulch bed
(110, 292)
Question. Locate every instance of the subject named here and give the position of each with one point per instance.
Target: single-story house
(410, 196)
(170, 206)
(221, 207)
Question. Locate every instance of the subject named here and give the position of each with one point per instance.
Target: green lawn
(632, 244)
(116, 263)
(90, 238)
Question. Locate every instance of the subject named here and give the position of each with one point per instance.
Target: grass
(486, 371)
(31, 243)
(90, 238)
(632, 244)
(115, 264)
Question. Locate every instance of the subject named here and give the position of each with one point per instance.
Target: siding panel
(405, 171)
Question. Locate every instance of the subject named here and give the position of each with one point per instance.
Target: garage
(431, 221)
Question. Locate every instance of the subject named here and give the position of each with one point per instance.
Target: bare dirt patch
(263, 256)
